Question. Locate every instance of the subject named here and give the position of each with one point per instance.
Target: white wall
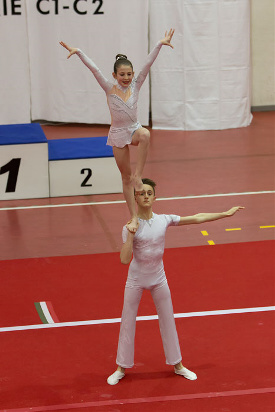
(18, 76)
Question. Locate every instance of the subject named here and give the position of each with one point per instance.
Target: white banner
(14, 64)
(205, 82)
(65, 90)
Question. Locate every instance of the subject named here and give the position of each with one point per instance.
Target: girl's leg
(122, 157)
(141, 138)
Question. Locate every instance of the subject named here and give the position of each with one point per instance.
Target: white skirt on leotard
(121, 136)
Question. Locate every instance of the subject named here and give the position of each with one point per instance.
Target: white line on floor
(139, 318)
(113, 202)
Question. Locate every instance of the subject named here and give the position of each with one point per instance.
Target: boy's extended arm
(127, 249)
(208, 217)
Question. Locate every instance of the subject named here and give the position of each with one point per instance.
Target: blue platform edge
(79, 148)
(22, 134)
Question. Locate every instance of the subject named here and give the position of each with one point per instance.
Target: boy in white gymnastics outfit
(146, 271)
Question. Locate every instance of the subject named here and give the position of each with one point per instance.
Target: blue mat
(79, 148)
(21, 134)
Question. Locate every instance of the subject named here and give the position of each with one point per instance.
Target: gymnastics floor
(62, 285)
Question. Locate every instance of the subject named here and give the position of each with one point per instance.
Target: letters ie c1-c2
(46, 7)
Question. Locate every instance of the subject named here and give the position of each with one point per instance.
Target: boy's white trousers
(162, 299)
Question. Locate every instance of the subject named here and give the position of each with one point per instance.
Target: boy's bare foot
(132, 225)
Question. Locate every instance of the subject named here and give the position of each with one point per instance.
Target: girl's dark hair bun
(121, 59)
(121, 56)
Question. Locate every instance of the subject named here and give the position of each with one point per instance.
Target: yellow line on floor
(236, 228)
(265, 227)
(211, 242)
(204, 233)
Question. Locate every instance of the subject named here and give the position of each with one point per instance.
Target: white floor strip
(123, 201)
(152, 317)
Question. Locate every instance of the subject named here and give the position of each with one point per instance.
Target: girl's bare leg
(122, 157)
(141, 138)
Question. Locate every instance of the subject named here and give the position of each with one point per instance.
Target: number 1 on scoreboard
(12, 168)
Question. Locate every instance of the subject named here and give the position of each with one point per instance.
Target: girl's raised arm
(71, 50)
(166, 41)
(103, 82)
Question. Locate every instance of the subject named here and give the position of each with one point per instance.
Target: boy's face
(146, 198)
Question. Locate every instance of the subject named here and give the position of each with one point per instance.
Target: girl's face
(124, 75)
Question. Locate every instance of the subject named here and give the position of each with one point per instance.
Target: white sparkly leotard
(124, 120)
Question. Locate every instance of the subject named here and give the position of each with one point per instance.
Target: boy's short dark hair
(149, 182)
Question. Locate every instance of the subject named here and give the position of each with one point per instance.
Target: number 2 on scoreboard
(89, 174)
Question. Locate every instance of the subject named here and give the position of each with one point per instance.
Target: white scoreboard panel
(84, 177)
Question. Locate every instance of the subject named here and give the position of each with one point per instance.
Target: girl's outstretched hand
(71, 50)
(168, 37)
(233, 210)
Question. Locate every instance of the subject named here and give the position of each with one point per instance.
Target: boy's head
(146, 197)
(149, 182)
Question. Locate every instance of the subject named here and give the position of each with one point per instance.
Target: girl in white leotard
(146, 271)
(125, 129)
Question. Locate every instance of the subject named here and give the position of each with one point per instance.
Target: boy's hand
(233, 210)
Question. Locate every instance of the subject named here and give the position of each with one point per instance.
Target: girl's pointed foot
(138, 185)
